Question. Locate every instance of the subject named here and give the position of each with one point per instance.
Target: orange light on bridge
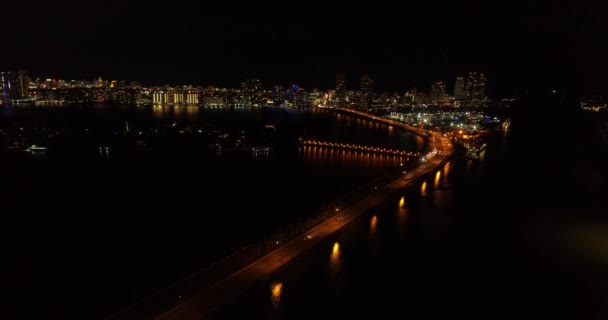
(401, 202)
(423, 189)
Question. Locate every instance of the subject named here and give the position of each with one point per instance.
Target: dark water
(522, 234)
(91, 231)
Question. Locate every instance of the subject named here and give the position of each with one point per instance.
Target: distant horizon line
(493, 89)
(268, 85)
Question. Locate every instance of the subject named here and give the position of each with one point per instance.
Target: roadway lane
(203, 304)
(171, 296)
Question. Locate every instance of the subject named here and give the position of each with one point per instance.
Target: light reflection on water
(276, 289)
(402, 230)
(180, 112)
(335, 262)
(343, 159)
(437, 179)
(373, 224)
(409, 232)
(349, 158)
(402, 215)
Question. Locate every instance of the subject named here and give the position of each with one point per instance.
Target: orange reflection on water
(334, 259)
(276, 289)
(423, 189)
(401, 216)
(372, 225)
(192, 112)
(446, 171)
(158, 111)
(437, 177)
(317, 155)
(178, 111)
(335, 253)
(336, 249)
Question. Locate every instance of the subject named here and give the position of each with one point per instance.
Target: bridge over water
(361, 148)
(202, 293)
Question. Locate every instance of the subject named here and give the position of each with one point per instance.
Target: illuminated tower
(14, 85)
(459, 88)
(23, 84)
(367, 91)
(476, 88)
(278, 95)
(252, 91)
(340, 87)
(7, 79)
(438, 91)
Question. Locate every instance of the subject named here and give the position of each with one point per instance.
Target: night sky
(518, 45)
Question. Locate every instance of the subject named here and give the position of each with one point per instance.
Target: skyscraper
(367, 91)
(23, 84)
(438, 91)
(340, 87)
(8, 85)
(278, 95)
(15, 86)
(459, 88)
(252, 92)
(476, 88)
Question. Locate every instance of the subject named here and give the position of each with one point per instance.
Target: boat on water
(35, 148)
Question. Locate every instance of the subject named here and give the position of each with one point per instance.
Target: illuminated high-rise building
(438, 91)
(296, 96)
(459, 88)
(251, 90)
(278, 95)
(476, 88)
(23, 84)
(191, 97)
(367, 91)
(9, 85)
(15, 86)
(340, 87)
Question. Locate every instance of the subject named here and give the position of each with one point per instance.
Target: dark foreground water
(92, 230)
(523, 234)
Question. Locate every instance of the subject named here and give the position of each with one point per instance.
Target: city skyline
(346, 83)
(520, 47)
(300, 160)
(19, 87)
